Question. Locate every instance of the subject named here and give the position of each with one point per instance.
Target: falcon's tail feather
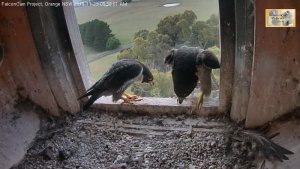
(92, 99)
(85, 95)
(91, 90)
(94, 93)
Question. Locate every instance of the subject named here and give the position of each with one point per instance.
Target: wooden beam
(21, 73)
(227, 28)
(80, 66)
(53, 44)
(243, 58)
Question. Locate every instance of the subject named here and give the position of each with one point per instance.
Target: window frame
(166, 105)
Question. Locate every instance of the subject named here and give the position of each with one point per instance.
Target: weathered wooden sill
(154, 105)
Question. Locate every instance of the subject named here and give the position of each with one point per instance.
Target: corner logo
(280, 17)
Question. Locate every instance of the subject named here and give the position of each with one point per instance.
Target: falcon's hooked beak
(180, 100)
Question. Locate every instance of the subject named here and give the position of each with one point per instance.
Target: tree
(188, 16)
(101, 33)
(87, 36)
(112, 43)
(167, 26)
(213, 20)
(95, 34)
(206, 34)
(150, 50)
(141, 33)
(177, 27)
(158, 47)
(185, 31)
(163, 84)
(139, 48)
(126, 54)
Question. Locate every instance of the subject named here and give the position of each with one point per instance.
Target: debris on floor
(119, 141)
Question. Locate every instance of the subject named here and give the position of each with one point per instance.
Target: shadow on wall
(17, 130)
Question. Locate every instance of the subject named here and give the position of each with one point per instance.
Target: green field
(99, 67)
(89, 52)
(142, 14)
(139, 14)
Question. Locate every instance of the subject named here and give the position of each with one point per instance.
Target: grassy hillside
(99, 67)
(142, 14)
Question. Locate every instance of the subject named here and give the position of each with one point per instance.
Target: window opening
(147, 30)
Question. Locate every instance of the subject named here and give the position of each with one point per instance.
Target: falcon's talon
(199, 102)
(127, 99)
(131, 97)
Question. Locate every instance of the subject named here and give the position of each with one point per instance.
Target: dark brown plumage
(189, 65)
(264, 144)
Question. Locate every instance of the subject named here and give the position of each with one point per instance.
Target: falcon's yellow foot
(128, 99)
(199, 102)
(132, 97)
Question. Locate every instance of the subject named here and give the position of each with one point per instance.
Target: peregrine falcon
(117, 79)
(189, 65)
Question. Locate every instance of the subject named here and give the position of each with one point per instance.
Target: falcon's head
(147, 75)
(208, 59)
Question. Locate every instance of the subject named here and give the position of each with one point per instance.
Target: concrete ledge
(153, 105)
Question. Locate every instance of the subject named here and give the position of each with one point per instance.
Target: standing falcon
(117, 79)
(190, 64)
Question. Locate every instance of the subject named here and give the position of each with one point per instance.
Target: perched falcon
(189, 65)
(117, 79)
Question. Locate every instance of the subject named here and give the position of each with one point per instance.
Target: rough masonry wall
(21, 72)
(275, 83)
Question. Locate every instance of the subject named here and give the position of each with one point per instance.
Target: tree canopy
(98, 35)
(177, 26)
(112, 43)
(206, 33)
